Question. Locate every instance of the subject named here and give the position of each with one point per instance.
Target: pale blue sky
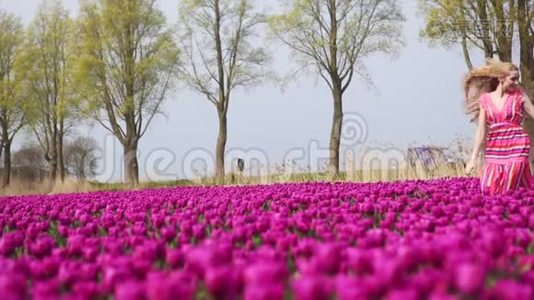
(418, 99)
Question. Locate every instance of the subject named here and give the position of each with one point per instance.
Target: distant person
(499, 103)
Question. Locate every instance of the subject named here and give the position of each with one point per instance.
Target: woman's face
(510, 82)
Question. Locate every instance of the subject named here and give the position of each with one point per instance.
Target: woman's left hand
(470, 167)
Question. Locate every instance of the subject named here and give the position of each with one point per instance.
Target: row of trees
(81, 156)
(116, 62)
(113, 64)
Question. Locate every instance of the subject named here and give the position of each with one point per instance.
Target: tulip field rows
(418, 239)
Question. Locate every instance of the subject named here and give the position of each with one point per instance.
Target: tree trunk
(52, 160)
(486, 38)
(337, 119)
(60, 162)
(4, 138)
(131, 167)
(504, 41)
(81, 168)
(337, 122)
(7, 163)
(526, 43)
(221, 147)
(5, 145)
(53, 171)
(222, 136)
(465, 50)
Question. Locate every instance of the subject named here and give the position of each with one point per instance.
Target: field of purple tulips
(432, 239)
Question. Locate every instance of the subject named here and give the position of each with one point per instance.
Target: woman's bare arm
(480, 133)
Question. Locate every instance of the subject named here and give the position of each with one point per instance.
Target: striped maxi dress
(506, 155)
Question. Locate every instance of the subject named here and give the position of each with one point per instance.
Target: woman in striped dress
(499, 107)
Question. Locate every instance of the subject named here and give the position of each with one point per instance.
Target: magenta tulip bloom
(310, 288)
(222, 282)
(264, 292)
(417, 239)
(470, 278)
(262, 273)
(130, 290)
(12, 286)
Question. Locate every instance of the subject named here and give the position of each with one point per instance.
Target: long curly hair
(481, 80)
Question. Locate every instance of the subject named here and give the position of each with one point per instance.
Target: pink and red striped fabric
(507, 147)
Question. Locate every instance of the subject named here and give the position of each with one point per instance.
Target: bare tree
(44, 67)
(126, 64)
(29, 163)
(81, 160)
(219, 55)
(12, 114)
(334, 37)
